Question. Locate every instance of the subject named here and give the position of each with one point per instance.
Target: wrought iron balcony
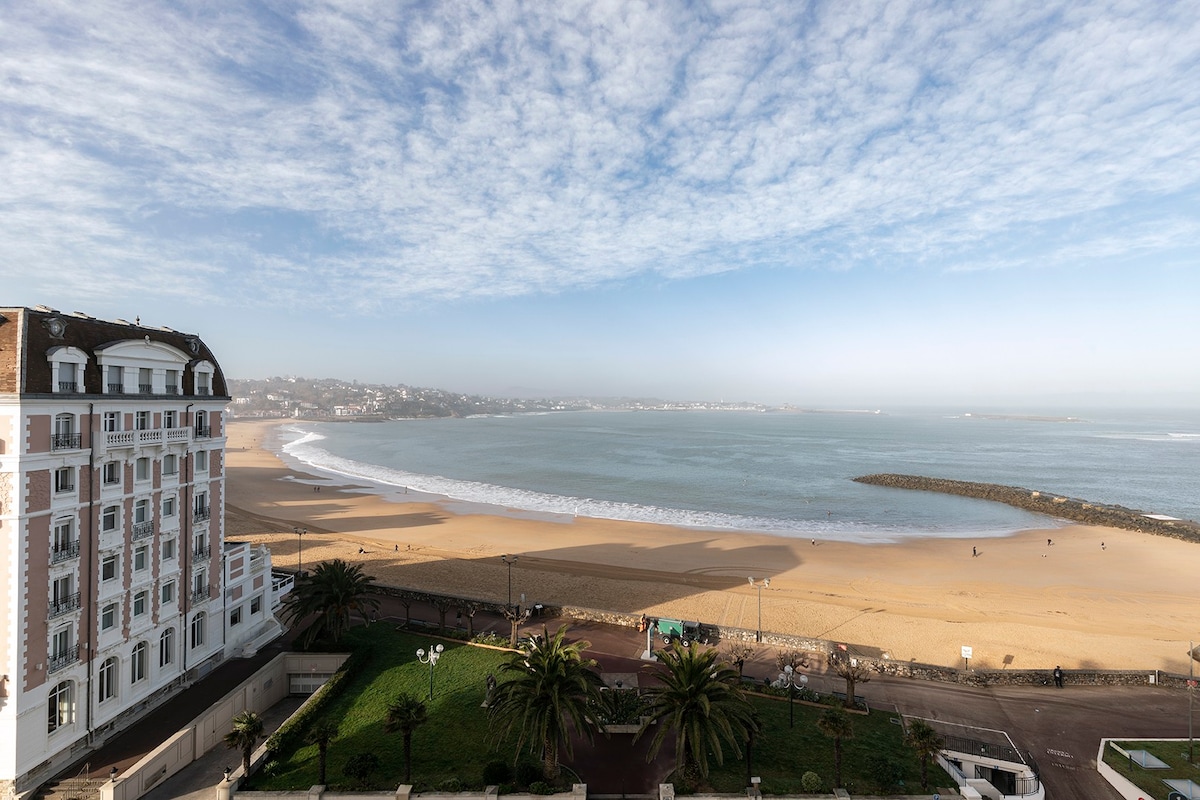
(65, 605)
(203, 391)
(172, 388)
(143, 530)
(64, 552)
(65, 441)
(64, 659)
(201, 513)
(116, 388)
(145, 388)
(68, 386)
(203, 431)
(201, 551)
(200, 593)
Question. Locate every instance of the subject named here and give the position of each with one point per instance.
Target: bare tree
(469, 608)
(443, 605)
(796, 659)
(737, 653)
(853, 671)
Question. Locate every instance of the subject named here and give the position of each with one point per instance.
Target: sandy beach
(1098, 597)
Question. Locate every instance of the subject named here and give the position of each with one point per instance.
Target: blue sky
(827, 203)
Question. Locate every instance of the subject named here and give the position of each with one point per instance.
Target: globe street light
(790, 678)
(299, 550)
(760, 586)
(431, 659)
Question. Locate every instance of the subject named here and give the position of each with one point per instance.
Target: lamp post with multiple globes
(435, 652)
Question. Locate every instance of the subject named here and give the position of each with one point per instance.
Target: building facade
(115, 579)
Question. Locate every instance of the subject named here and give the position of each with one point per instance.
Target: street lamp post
(790, 678)
(513, 614)
(299, 550)
(763, 584)
(435, 652)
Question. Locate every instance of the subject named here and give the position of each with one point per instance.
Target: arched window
(166, 647)
(60, 707)
(198, 624)
(137, 662)
(202, 429)
(107, 680)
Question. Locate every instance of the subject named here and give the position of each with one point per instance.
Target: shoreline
(1018, 603)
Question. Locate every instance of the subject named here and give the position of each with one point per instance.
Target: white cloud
(453, 150)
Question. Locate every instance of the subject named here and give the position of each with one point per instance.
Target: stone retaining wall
(1053, 505)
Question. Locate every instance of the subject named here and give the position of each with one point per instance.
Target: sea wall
(1053, 505)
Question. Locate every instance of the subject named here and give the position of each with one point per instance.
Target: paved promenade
(1060, 727)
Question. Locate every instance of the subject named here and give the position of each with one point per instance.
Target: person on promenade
(1058, 677)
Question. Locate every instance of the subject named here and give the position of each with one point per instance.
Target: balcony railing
(201, 513)
(63, 552)
(116, 388)
(178, 434)
(68, 386)
(145, 388)
(143, 530)
(144, 437)
(172, 389)
(202, 551)
(65, 441)
(64, 659)
(64, 605)
(64, 486)
(203, 431)
(200, 593)
(203, 391)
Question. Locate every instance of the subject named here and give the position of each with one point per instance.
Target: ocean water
(787, 474)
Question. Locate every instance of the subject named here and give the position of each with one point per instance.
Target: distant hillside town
(321, 398)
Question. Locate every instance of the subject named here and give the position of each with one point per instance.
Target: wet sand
(1018, 603)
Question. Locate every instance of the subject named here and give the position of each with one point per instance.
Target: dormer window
(66, 369)
(115, 383)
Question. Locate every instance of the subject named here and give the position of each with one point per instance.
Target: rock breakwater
(1048, 503)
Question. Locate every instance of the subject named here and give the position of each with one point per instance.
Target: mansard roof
(29, 335)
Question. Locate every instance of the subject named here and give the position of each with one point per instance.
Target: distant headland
(1054, 505)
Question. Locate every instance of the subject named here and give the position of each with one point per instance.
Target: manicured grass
(454, 745)
(1150, 781)
(783, 754)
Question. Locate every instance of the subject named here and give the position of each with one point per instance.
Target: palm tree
(247, 730)
(321, 734)
(406, 715)
(700, 699)
(836, 725)
(554, 690)
(331, 592)
(922, 738)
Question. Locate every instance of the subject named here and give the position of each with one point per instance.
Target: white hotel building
(116, 586)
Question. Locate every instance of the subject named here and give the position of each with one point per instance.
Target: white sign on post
(966, 651)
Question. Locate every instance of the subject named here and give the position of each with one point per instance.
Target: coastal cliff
(1050, 504)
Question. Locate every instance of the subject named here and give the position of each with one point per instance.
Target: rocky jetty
(1048, 503)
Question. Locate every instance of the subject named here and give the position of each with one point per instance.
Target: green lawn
(447, 747)
(782, 754)
(1151, 780)
(452, 745)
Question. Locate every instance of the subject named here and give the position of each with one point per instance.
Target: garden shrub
(496, 773)
(528, 772)
(540, 787)
(451, 785)
(811, 782)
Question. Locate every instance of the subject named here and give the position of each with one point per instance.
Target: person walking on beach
(1058, 677)
(974, 552)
